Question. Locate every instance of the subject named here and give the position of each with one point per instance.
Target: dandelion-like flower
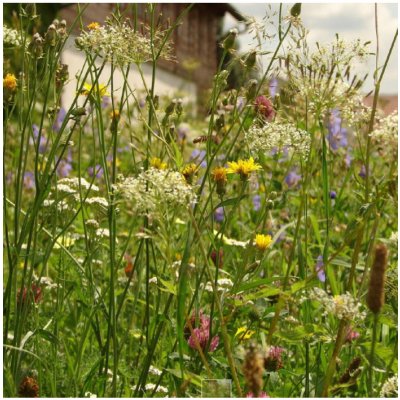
(90, 89)
(10, 82)
(219, 177)
(276, 136)
(157, 163)
(243, 167)
(93, 26)
(262, 242)
(189, 171)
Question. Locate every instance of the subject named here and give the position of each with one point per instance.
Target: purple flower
(273, 87)
(292, 179)
(105, 101)
(43, 140)
(182, 131)
(348, 159)
(29, 180)
(199, 155)
(240, 103)
(273, 361)
(284, 151)
(65, 166)
(256, 202)
(319, 268)
(97, 169)
(332, 194)
(264, 108)
(260, 395)
(363, 172)
(351, 335)
(59, 120)
(219, 214)
(201, 335)
(337, 136)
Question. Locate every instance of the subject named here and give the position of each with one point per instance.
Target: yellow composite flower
(262, 242)
(243, 167)
(93, 26)
(10, 82)
(157, 163)
(219, 174)
(244, 333)
(87, 87)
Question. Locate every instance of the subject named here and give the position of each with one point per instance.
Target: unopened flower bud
(229, 41)
(273, 195)
(295, 10)
(251, 60)
(51, 36)
(251, 89)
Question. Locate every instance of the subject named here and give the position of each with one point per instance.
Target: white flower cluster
(11, 37)
(151, 386)
(75, 183)
(121, 44)
(344, 306)
(154, 188)
(275, 135)
(224, 284)
(390, 388)
(388, 130)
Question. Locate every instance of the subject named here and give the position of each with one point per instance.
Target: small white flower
(276, 136)
(154, 371)
(153, 280)
(92, 224)
(97, 201)
(103, 233)
(390, 388)
(91, 395)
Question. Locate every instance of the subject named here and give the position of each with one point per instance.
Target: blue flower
(98, 169)
(256, 202)
(273, 87)
(219, 214)
(59, 120)
(29, 180)
(319, 268)
(363, 172)
(43, 140)
(337, 136)
(332, 194)
(199, 155)
(292, 179)
(65, 166)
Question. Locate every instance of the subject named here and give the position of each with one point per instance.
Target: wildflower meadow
(238, 242)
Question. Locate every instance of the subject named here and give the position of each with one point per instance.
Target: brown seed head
(253, 368)
(376, 289)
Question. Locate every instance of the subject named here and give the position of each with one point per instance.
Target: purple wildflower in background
(264, 108)
(43, 140)
(105, 101)
(200, 336)
(199, 156)
(256, 202)
(284, 152)
(219, 214)
(97, 169)
(348, 159)
(123, 149)
(183, 131)
(292, 179)
(337, 136)
(65, 166)
(273, 87)
(240, 103)
(319, 268)
(363, 172)
(29, 180)
(332, 194)
(59, 120)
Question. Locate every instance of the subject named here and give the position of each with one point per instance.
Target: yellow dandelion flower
(93, 26)
(244, 333)
(243, 167)
(115, 114)
(219, 174)
(262, 242)
(157, 163)
(87, 87)
(189, 171)
(10, 82)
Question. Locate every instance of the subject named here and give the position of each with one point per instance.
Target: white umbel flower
(121, 44)
(277, 135)
(11, 37)
(343, 306)
(390, 388)
(154, 188)
(388, 130)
